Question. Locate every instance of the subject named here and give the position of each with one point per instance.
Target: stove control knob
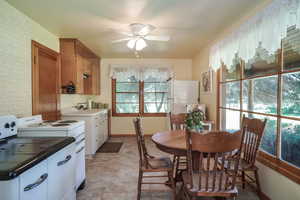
(6, 125)
(13, 124)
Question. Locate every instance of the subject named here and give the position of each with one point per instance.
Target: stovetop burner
(67, 121)
(60, 124)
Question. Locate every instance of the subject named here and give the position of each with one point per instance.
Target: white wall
(16, 33)
(123, 125)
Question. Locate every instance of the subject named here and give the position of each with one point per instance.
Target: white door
(183, 93)
(33, 183)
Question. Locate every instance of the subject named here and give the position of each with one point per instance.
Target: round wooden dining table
(172, 142)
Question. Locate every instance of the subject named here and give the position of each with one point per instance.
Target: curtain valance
(140, 73)
(264, 31)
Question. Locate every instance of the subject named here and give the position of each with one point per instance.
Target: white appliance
(34, 126)
(96, 122)
(40, 168)
(182, 94)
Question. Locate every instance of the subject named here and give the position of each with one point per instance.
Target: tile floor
(113, 176)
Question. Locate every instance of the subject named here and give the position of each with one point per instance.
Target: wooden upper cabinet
(79, 66)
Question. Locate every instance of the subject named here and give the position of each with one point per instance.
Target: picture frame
(206, 81)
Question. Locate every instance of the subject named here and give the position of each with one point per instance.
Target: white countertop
(84, 112)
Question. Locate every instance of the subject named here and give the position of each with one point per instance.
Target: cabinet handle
(80, 150)
(80, 141)
(37, 183)
(64, 161)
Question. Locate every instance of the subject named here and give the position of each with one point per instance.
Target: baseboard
(127, 135)
(263, 196)
(122, 135)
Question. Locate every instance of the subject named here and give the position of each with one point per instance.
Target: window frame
(274, 162)
(141, 112)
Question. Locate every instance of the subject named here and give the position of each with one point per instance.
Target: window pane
(156, 87)
(234, 72)
(128, 98)
(290, 141)
(127, 87)
(291, 49)
(268, 142)
(247, 87)
(260, 95)
(155, 97)
(231, 95)
(127, 108)
(230, 120)
(155, 107)
(262, 63)
(291, 95)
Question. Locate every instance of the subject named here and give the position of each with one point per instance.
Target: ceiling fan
(139, 35)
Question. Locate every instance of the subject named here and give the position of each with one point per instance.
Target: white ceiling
(190, 23)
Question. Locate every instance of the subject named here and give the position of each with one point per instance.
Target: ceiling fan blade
(121, 40)
(146, 29)
(125, 33)
(163, 38)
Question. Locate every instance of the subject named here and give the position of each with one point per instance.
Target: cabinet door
(88, 80)
(105, 129)
(96, 75)
(61, 169)
(33, 183)
(79, 74)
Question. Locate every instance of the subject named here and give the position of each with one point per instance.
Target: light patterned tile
(113, 176)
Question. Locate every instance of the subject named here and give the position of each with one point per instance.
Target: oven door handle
(80, 141)
(80, 150)
(37, 183)
(60, 163)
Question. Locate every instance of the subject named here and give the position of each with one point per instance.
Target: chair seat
(159, 164)
(195, 191)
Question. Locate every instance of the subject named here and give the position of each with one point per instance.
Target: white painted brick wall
(16, 32)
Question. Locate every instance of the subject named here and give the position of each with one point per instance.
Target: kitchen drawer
(61, 169)
(34, 183)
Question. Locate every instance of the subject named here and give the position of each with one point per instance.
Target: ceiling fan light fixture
(131, 43)
(140, 44)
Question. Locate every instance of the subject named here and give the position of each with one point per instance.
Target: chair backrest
(253, 130)
(143, 161)
(219, 154)
(177, 121)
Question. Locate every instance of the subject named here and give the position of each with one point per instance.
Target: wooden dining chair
(209, 180)
(150, 164)
(177, 122)
(253, 130)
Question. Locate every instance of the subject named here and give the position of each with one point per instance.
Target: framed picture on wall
(206, 81)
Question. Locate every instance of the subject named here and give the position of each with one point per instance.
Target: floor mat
(110, 147)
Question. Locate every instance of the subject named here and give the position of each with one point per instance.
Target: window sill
(290, 171)
(139, 115)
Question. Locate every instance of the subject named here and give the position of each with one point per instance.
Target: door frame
(35, 48)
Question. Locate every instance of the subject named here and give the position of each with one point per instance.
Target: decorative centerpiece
(194, 120)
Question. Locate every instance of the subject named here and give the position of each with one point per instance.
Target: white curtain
(265, 31)
(140, 73)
